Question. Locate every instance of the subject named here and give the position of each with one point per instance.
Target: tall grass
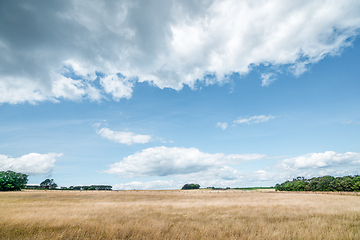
(177, 215)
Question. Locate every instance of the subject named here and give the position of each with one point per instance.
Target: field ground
(188, 214)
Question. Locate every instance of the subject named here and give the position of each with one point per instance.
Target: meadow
(196, 214)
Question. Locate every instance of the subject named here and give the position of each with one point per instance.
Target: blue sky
(158, 94)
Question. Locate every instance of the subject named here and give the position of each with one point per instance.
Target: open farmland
(177, 215)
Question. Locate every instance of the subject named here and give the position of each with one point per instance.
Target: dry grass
(177, 215)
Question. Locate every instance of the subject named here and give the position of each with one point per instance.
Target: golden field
(177, 215)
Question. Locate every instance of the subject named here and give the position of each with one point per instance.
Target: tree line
(50, 184)
(324, 183)
(92, 187)
(13, 181)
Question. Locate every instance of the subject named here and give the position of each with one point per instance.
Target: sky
(157, 94)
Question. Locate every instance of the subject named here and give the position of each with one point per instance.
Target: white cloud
(321, 160)
(267, 79)
(221, 125)
(18, 90)
(118, 87)
(32, 163)
(76, 49)
(123, 137)
(164, 161)
(313, 165)
(96, 125)
(253, 119)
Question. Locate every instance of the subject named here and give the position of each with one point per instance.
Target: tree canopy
(12, 181)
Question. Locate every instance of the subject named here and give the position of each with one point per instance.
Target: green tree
(347, 183)
(299, 186)
(48, 184)
(191, 186)
(12, 181)
(324, 183)
(288, 186)
(313, 183)
(356, 185)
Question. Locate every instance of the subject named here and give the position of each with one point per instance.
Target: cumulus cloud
(253, 119)
(32, 163)
(312, 164)
(118, 86)
(123, 137)
(321, 160)
(95, 49)
(221, 125)
(164, 161)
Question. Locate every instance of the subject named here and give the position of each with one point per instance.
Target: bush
(12, 181)
(191, 186)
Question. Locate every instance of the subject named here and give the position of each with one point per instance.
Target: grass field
(177, 215)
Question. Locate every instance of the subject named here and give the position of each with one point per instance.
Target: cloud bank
(93, 49)
(184, 165)
(32, 163)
